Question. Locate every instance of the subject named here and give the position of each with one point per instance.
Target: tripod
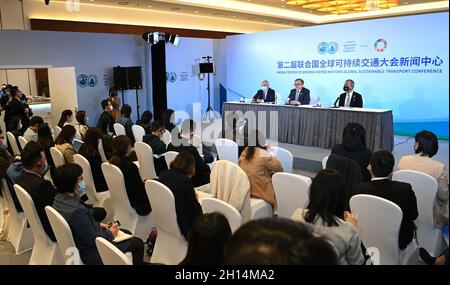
(209, 109)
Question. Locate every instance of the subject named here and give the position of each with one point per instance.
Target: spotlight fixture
(156, 37)
(47, 2)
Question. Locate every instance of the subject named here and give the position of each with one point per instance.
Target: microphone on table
(334, 104)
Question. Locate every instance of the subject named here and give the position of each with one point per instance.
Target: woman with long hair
(115, 102)
(66, 118)
(64, 142)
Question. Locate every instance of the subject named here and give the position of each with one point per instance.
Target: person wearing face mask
(134, 184)
(265, 94)
(81, 218)
(32, 180)
(14, 108)
(81, 126)
(106, 121)
(350, 98)
(158, 146)
(178, 180)
(64, 143)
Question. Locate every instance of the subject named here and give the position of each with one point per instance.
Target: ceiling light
(344, 6)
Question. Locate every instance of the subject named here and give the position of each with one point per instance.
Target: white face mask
(19, 127)
(4, 144)
(264, 88)
(87, 119)
(111, 108)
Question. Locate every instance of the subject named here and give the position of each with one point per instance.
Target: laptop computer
(77, 144)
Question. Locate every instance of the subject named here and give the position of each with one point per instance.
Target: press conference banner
(397, 63)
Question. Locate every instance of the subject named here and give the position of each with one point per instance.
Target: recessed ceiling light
(234, 16)
(265, 20)
(196, 12)
(124, 3)
(282, 6)
(406, 3)
(291, 24)
(149, 6)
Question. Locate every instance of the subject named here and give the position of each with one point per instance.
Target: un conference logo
(330, 48)
(380, 45)
(171, 77)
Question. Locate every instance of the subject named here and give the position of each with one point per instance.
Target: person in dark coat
(158, 147)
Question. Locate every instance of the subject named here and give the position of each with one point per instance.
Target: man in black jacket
(158, 147)
(350, 98)
(106, 121)
(300, 94)
(31, 180)
(380, 167)
(265, 94)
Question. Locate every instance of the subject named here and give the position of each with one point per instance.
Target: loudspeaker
(207, 67)
(134, 77)
(120, 78)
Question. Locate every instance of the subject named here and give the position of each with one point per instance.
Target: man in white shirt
(31, 134)
(350, 98)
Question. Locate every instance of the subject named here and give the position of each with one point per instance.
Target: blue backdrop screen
(397, 63)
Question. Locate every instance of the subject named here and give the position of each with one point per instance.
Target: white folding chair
(167, 137)
(98, 199)
(425, 188)
(22, 142)
(110, 254)
(169, 157)
(291, 192)
(13, 143)
(20, 236)
(45, 251)
(101, 150)
(379, 223)
(234, 218)
(138, 132)
(227, 150)
(285, 157)
(171, 246)
(119, 129)
(138, 225)
(57, 132)
(64, 237)
(58, 157)
(324, 162)
(144, 154)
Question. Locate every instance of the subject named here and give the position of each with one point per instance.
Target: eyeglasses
(296, 84)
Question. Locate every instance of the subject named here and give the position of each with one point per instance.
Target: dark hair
(146, 118)
(125, 110)
(14, 123)
(64, 115)
(66, 135)
(45, 137)
(90, 146)
(206, 240)
(167, 116)
(81, 117)
(382, 163)
(66, 177)
(36, 121)
(353, 82)
(255, 139)
(31, 154)
(301, 80)
(157, 125)
(326, 198)
(105, 103)
(184, 162)
(428, 143)
(354, 137)
(278, 242)
(120, 146)
(112, 92)
(14, 91)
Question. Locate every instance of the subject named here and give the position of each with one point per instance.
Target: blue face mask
(82, 186)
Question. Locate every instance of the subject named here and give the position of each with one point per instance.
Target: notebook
(121, 236)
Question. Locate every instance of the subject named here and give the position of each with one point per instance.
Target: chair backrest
(167, 137)
(63, 235)
(291, 192)
(169, 157)
(122, 207)
(227, 150)
(101, 150)
(425, 188)
(8, 197)
(119, 129)
(30, 212)
(324, 162)
(163, 207)
(13, 143)
(379, 225)
(138, 132)
(58, 157)
(110, 254)
(23, 142)
(286, 158)
(57, 131)
(145, 157)
(87, 176)
(234, 218)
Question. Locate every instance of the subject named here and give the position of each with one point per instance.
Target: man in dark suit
(265, 94)
(380, 167)
(350, 98)
(106, 121)
(299, 95)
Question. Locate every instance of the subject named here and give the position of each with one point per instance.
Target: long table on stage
(319, 126)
